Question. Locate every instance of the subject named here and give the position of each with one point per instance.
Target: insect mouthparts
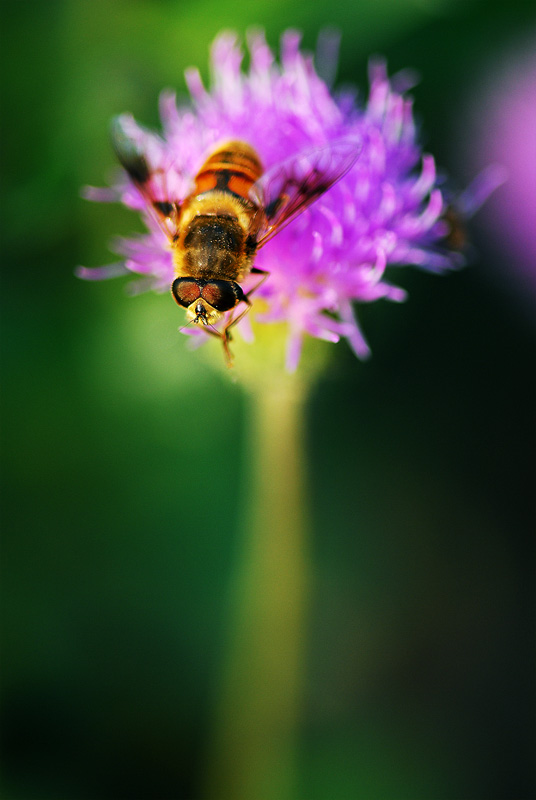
(201, 313)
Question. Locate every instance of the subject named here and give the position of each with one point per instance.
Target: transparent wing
(136, 150)
(289, 188)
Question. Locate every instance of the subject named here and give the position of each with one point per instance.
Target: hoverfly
(233, 209)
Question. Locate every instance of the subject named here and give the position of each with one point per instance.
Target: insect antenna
(185, 326)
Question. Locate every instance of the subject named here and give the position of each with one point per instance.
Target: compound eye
(185, 291)
(222, 295)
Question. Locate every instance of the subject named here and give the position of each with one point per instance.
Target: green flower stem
(258, 717)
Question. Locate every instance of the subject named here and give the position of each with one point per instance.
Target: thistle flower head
(387, 210)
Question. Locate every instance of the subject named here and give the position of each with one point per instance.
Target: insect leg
(233, 321)
(264, 274)
(225, 341)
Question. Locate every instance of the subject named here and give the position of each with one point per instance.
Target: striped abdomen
(234, 168)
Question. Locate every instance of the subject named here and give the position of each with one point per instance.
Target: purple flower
(386, 211)
(503, 125)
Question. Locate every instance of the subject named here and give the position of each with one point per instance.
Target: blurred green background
(123, 453)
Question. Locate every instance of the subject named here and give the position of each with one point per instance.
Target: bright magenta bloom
(385, 212)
